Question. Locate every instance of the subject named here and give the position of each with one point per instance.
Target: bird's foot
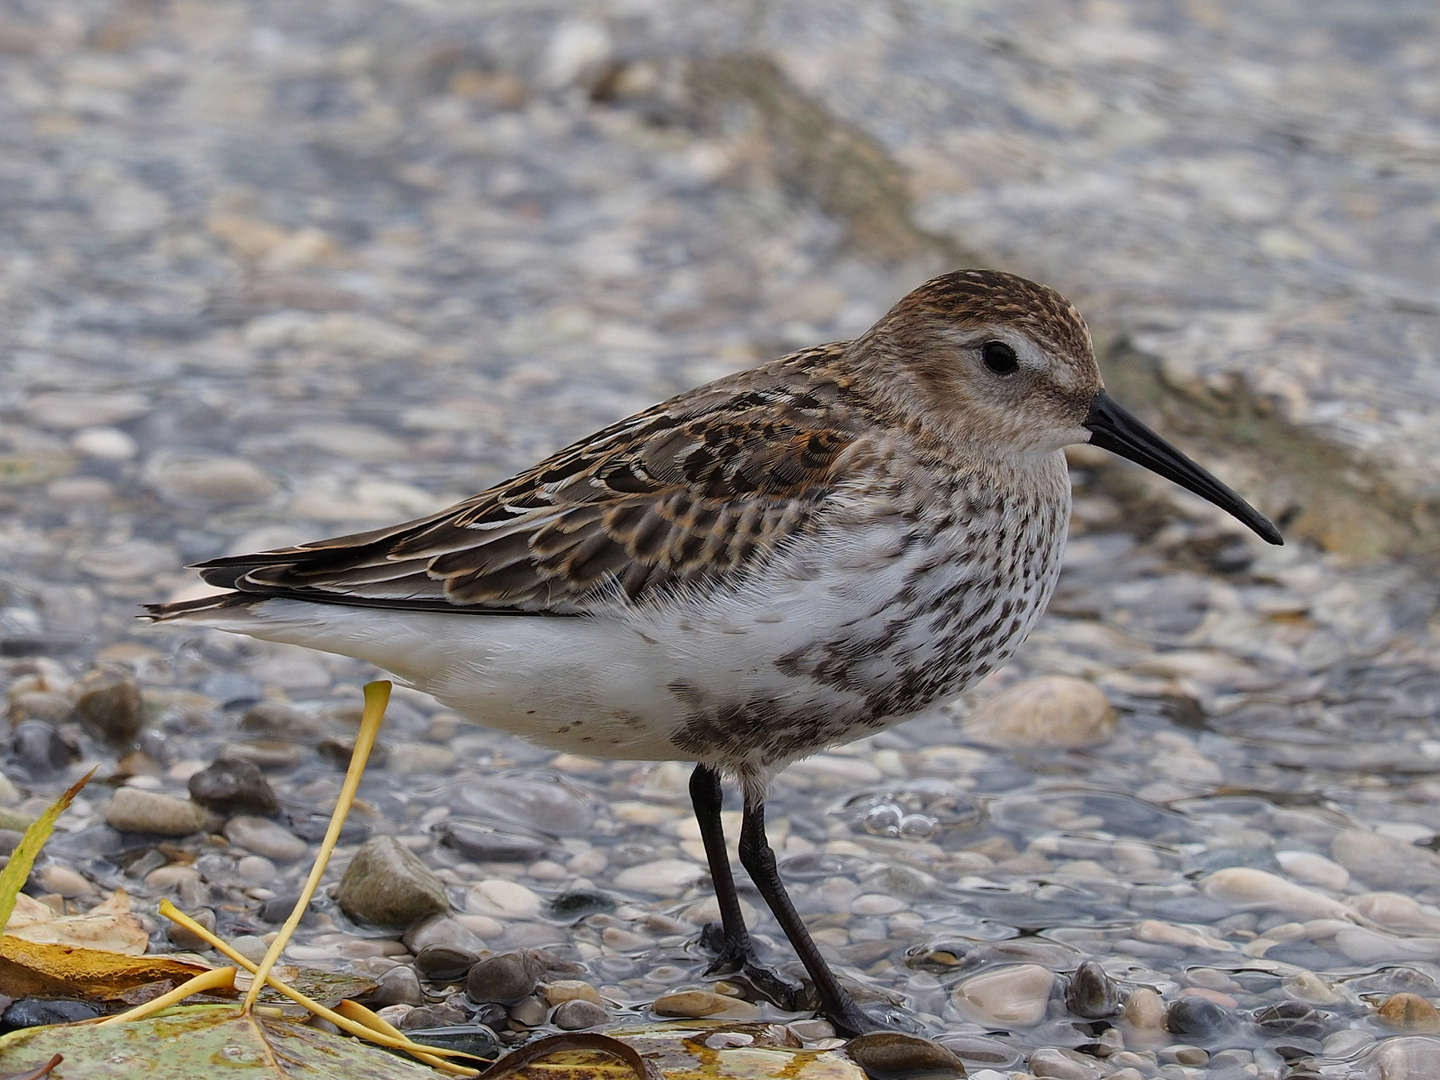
(850, 1019)
(734, 957)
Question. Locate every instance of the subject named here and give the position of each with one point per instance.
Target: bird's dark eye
(999, 357)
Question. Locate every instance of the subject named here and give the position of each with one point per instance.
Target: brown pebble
(1410, 1012)
(889, 1055)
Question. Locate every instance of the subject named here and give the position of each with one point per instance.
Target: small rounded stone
(563, 990)
(444, 963)
(133, 810)
(265, 838)
(1091, 993)
(704, 1003)
(530, 1011)
(1409, 1012)
(1058, 711)
(890, 1055)
(232, 786)
(1015, 995)
(111, 706)
(388, 885)
(183, 938)
(578, 1014)
(506, 978)
(397, 986)
(1195, 1016)
(1053, 1063)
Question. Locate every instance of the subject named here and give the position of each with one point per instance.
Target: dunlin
(783, 560)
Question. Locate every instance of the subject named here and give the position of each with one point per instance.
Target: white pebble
(105, 443)
(877, 904)
(1314, 869)
(502, 899)
(1016, 995)
(663, 877)
(1256, 890)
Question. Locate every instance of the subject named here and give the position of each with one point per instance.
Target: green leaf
(17, 870)
(192, 1042)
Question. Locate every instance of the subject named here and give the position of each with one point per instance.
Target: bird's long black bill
(1115, 429)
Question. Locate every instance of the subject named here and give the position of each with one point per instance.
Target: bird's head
(1006, 368)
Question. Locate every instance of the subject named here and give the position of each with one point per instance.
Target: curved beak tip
(1113, 427)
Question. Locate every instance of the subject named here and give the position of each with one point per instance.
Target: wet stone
(41, 749)
(388, 885)
(397, 986)
(278, 908)
(230, 786)
(704, 1003)
(890, 1055)
(277, 720)
(1291, 1018)
(265, 838)
(442, 1014)
(183, 938)
(1053, 711)
(1409, 1012)
(444, 963)
(111, 706)
(574, 906)
(578, 1014)
(1092, 993)
(506, 978)
(133, 810)
(486, 843)
(1195, 1017)
(473, 1039)
(529, 1011)
(546, 804)
(36, 1011)
(1012, 996)
(40, 705)
(1060, 1064)
(441, 931)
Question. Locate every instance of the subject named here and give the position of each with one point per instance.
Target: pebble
(444, 930)
(133, 810)
(444, 963)
(577, 1014)
(1314, 869)
(546, 805)
(506, 978)
(1383, 862)
(278, 720)
(44, 705)
(1091, 993)
(184, 938)
(1291, 1018)
(397, 986)
(563, 990)
(502, 899)
(388, 885)
(486, 843)
(111, 706)
(1061, 1064)
(105, 443)
(249, 946)
(704, 1004)
(1411, 1058)
(1052, 711)
(231, 786)
(1366, 946)
(1409, 1012)
(1258, 890)
(1144, 1011)
(1015, 995)
(892, 1055)
(41, 749)
(264, 837)
(1195, 1016)
(201, 480)
(530, 1011)
(1309, 987)
(663, 877)
(1398, 912)
(257, 870)
(63, 881)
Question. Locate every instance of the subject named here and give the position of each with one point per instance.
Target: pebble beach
(270, 276)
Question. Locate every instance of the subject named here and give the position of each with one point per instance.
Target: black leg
(757, 857)
(737, 952)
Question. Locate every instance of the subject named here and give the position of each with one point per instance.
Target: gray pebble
(111, 706)
(40, 705)
(433, 1016)
(1060, 1064)
(530, 1011)
(264, 837)
(506, 978)
(133, 810)
(231, 786)
(1091, 993)
(41, 749)
(183, 938)
(576, 1015)
(441, 930)
(397, 986)
(388, 885)
(277, 720)
(444, 963)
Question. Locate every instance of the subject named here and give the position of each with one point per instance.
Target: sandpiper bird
(786, 559)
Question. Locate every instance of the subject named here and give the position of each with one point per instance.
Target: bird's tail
(182, 608)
